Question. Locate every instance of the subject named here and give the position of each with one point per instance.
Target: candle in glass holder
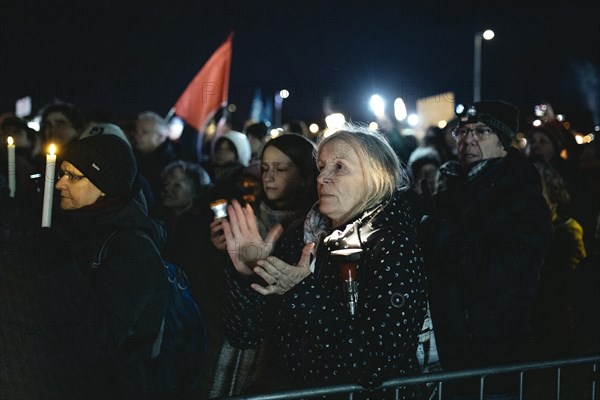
(347, 260)
(49, 187)
(219, 207)
(11, 166)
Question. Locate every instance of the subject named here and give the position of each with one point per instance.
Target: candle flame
(10, 141)
(52, 149)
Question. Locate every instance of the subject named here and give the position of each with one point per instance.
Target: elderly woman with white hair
(349, 282)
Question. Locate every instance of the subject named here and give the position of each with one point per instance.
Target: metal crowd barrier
(438, 379)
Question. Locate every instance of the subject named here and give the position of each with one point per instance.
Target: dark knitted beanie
(106, 161)
(502, 117)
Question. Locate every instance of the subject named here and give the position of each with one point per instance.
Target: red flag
(208, 90)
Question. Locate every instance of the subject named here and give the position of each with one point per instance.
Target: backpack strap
(95, 263)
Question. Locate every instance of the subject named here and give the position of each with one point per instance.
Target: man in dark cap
(484, 241)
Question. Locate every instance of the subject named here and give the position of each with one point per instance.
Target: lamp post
(479, 36)
(278, 102)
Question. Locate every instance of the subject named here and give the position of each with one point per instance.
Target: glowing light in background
(537, 122)
(413, 119)
(373, 126)
(275, 133)
(335, 121)
(377, 105)
(313, 128)
(399, 109)
(488, 34)
(175, 128)
(442, 124)
(284, 93)
(35, 123)
(459, 109)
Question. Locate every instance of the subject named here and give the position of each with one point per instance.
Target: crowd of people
(333, 252)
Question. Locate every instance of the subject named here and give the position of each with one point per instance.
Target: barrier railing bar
(425, 378)
(595, 377)
(521, 379)
(558, 383)
(481, 387)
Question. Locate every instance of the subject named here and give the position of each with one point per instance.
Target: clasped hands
(250, 253)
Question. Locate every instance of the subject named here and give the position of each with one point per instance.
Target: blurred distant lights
(540, 110)
(488, 34)
(231, 108)
(175, 128)
(284, 93)
(377, 105)
(537, 122)
(413, 120)
(442, 124)
(35, 123)
(399, 109)
(597, 128)
(581, 139)
(334, 123)
(275, 133)
(459, 109)
(560, 117)
(313, 128)
(373, 126)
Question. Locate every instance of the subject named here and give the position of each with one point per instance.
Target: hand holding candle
(49, 187)
(11, 166)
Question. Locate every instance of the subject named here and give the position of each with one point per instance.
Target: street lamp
(487, 35)
(278, 102)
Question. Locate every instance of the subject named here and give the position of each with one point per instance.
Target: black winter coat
(103, 321)
(484, 247)
(318, 342)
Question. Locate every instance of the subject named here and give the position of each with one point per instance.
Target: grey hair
(159, 122)
(381, 168)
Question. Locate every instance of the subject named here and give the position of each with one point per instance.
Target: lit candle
(49, 187)
(11, 166)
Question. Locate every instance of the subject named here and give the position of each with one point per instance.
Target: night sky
(129, 56)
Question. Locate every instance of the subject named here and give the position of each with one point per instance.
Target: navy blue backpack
(179, 350)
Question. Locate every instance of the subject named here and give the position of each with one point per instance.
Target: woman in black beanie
(111, 301)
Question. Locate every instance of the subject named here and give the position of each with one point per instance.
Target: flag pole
(170, 114)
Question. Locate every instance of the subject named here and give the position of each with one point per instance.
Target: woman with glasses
(106, 286)
(342, 294)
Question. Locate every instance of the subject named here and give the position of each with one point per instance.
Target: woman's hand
(281, 276)
(244, 243)
(217, 237)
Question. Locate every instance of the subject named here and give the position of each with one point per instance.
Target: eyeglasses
(479, 132)
(71, 177)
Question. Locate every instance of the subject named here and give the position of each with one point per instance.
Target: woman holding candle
(322, 338)
(111, 303)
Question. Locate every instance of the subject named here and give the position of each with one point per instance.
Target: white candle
(49, 187)
(11, 166)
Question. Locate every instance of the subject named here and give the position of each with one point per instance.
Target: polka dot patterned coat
(318, 341)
